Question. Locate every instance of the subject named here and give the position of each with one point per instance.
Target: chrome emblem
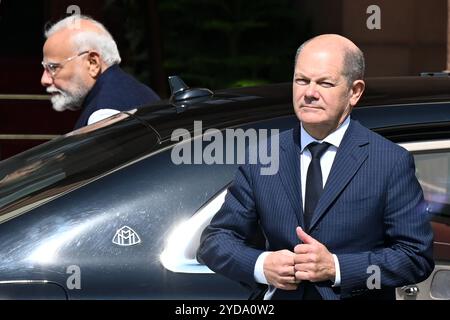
(126, 237)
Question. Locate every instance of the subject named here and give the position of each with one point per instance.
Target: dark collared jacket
(117, 90)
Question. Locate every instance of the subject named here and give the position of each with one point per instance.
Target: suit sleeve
(406, 255)
(224, 243)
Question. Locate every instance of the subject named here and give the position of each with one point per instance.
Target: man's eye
(326, 84)
(301, 81)
(53, 67)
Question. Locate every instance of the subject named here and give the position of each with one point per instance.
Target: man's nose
(46, 79)
(311, 90)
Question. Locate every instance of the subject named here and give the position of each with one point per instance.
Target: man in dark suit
(81, 70)
(344, 217)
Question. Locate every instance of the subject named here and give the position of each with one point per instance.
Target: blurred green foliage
(217, 43)
(130, 17)
(227, 43)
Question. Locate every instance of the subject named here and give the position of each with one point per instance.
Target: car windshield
(70, 161)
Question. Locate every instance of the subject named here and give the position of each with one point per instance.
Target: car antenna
(182, 95)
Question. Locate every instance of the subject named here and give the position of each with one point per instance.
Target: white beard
(69, 99)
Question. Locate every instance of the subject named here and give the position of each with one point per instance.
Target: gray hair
(85, 40)
(354, 63)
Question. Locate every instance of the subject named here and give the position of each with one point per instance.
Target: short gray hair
(354, 63)
(84, 40)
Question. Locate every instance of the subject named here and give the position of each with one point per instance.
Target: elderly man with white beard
(81, 70)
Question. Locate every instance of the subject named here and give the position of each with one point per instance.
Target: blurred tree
(211, 43)
(135, 25)
(223, 43)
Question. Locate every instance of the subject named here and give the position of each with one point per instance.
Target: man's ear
(357, 90)
(94, 64)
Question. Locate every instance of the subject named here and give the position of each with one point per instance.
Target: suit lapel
(289, 172)
(349, 158)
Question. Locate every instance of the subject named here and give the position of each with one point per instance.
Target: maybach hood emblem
(126, 237)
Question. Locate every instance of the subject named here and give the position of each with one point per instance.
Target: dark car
(115, 210)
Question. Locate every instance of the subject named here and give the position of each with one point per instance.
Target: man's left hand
(313, 261)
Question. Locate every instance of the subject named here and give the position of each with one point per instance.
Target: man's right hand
(279, 270)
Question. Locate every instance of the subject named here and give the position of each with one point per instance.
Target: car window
(64, 163)
(433, 172)
(432, 159)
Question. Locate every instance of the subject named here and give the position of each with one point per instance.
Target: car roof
(387, 102)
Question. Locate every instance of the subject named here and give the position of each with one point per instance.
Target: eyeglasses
(53, 67)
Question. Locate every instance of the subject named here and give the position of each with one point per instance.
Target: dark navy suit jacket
(371, 213)
(115, 89)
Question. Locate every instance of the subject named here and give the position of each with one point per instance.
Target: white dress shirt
(101, 114)
(326, 161)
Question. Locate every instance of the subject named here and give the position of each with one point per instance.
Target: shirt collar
(335, 138)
